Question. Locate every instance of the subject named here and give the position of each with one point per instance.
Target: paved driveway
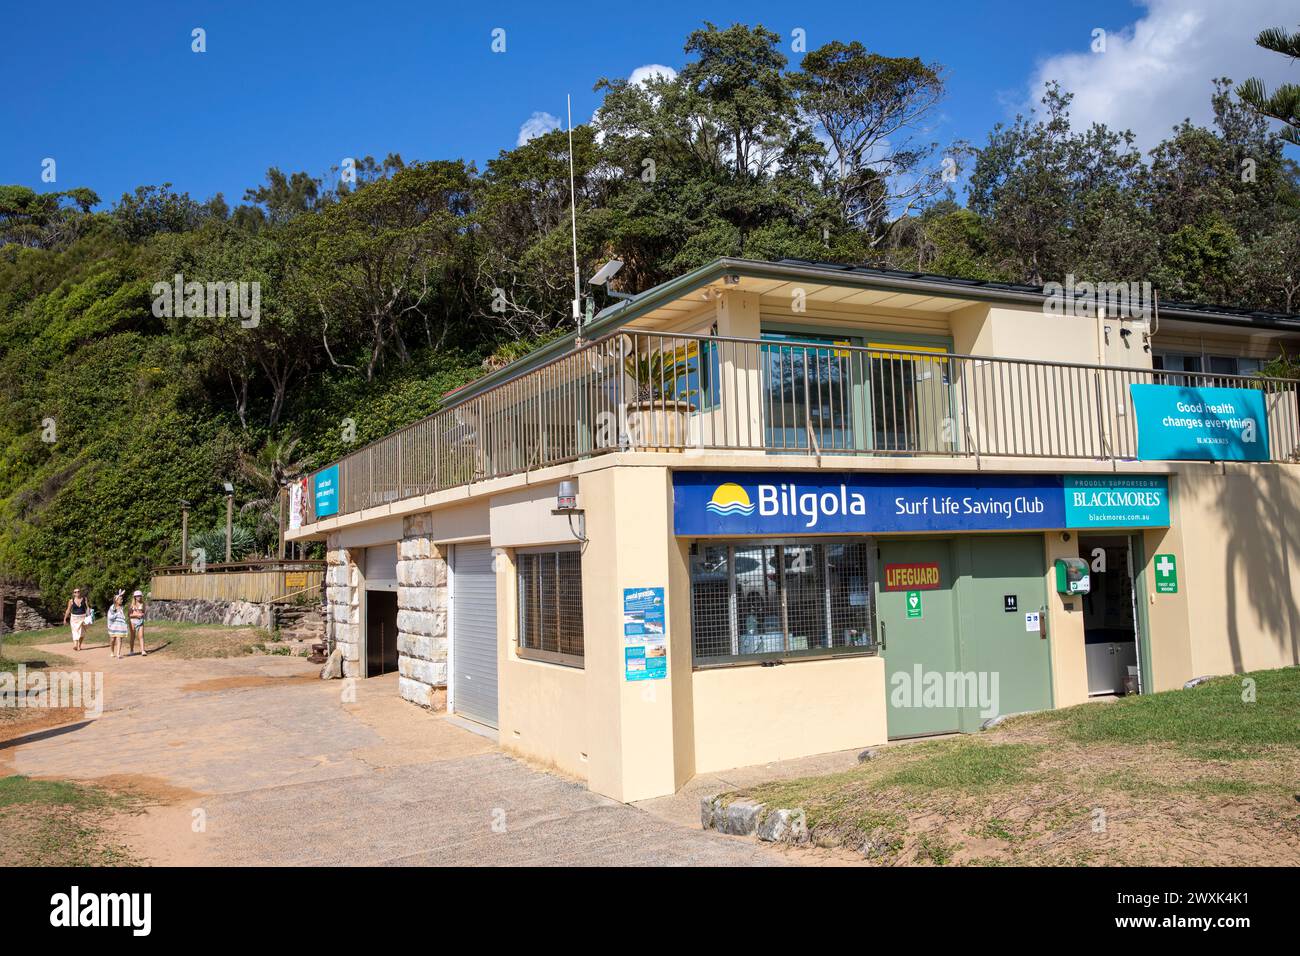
(255, 761)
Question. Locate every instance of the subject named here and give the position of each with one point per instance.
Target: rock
(710, 807)
(881, 843)
(784, 826)
(866, 755)
(739, 818)
(1195, 681)
(333, 668)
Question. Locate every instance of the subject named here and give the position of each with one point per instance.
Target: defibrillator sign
(911, 577)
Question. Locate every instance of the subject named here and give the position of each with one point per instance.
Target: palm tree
(1284, 102)
(267, 471)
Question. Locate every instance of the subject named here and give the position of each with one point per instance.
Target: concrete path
(255, 761)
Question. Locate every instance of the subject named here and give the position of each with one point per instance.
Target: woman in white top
(78, 612)
(117, 626)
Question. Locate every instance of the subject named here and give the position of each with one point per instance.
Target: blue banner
(1183, 423)
(1116, 501)
(790, 503)
(325, 491)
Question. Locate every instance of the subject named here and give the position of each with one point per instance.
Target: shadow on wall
(1259, 510)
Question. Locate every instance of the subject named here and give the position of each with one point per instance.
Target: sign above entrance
(1116, 501)
(784, 503)
(909, 577)
(1183, 423)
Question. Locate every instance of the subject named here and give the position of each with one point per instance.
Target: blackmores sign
(721, 503)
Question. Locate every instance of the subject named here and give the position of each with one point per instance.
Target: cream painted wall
(465, 522)
(1239, 564)
(752, 715)
(1065, 628)
(1168, 634)
(542, 710)
(523, 518)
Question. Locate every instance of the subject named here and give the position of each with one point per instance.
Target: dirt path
(255, 761)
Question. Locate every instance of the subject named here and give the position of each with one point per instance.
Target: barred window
(550, 606)
(764, 600)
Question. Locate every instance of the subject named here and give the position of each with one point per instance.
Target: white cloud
(643, 73)
(539, 124)
(1158, 70)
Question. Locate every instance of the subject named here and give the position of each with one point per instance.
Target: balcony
(647, 391)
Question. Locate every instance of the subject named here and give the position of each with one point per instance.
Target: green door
(918, 629)
(1002, 580)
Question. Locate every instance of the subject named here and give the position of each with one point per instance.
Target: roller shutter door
(474, 623)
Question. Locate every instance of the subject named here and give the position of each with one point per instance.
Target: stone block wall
(228, 613)
(21, 616)
(343, 605)
(421, 613)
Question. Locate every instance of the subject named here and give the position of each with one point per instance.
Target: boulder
(333, 668)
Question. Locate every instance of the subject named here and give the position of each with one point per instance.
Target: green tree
(870, 108)
(1283, 104)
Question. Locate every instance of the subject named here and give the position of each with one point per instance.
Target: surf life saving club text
(789, 501)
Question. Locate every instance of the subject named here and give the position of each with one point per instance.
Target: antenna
(573, 209)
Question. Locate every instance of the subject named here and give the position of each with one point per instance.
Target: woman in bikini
(137, 613)
(117, 625)
(77, 611)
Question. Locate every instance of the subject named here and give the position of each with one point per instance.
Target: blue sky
(115, 95)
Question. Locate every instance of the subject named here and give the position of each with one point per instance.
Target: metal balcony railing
(636, 390)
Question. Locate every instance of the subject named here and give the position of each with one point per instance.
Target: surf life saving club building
(774, 509)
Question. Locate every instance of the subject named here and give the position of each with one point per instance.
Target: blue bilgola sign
(718, 503)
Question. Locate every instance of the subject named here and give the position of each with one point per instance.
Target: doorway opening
(381, 632)
(1110, 618)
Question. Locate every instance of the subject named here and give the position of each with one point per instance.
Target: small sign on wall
(1032, 622)
(912, 577)
(645, 634)
(913, 603)
(1166, 566)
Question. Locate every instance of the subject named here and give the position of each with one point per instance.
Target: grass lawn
(169, 638)
(53, 823)
(1206, 776)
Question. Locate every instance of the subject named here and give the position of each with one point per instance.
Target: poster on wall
(645, 634)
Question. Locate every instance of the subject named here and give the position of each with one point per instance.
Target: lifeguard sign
(911, 577)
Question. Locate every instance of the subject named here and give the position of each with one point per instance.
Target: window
(765, 600)
(550, 606)
(1214, 364)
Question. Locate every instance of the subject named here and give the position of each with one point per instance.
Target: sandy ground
(255, 761)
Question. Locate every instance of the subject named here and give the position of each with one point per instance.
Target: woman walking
(117, 626)
(137, 613)
(77, 611)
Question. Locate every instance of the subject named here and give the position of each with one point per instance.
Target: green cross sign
(913, 603)
(1166, 574)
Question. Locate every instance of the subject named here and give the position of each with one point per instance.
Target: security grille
(550, 606)
(776, 599)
